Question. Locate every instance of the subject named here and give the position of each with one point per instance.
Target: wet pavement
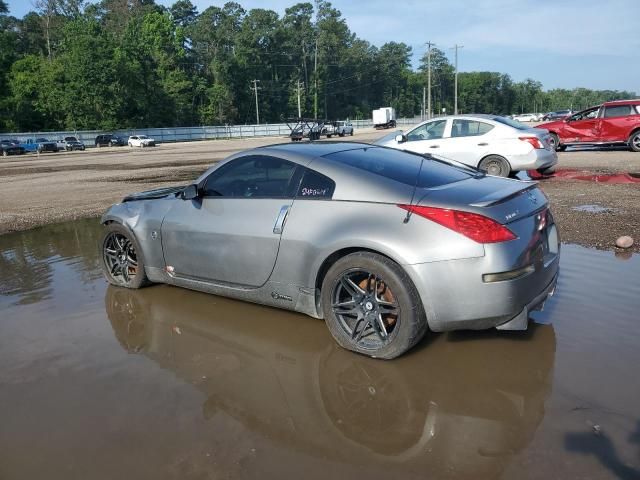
(107, 383)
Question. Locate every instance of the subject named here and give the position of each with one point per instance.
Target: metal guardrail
(186, 134)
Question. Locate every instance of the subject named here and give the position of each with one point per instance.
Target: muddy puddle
(107, 383)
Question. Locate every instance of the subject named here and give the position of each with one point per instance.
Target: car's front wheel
(495, 165)
(130, 144)
(371, 306)
(122, 260)
(634, 141)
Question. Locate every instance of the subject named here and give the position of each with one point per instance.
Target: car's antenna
(415, 187)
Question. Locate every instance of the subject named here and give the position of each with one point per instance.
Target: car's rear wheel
(495, 165)
(351, 133)
(634, 141)
(122, 260)
(371, 306)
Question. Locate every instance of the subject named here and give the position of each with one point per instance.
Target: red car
(612, 123)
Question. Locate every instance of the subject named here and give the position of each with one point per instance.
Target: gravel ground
(38, 190)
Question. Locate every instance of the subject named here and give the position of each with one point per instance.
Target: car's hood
(152, 194)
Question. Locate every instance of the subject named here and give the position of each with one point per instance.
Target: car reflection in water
(461, 407)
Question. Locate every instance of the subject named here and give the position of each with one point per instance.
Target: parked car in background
(494, 144)
(560, 114)
(69, 144)
(141, 141)
(368, 238)
(329, 129)
(11, 147)
(110, 140)
(612, 123)
(344, 128)
(39, 145)
(526, 117)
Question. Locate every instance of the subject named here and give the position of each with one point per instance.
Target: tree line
(74, 64)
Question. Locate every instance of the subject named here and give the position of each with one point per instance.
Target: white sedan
(141, 141)
(527, 117)
(492, 143)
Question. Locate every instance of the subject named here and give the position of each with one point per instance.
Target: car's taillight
(534, 141)
(472, 225)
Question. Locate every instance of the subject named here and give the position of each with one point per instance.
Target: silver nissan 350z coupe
(382, 244)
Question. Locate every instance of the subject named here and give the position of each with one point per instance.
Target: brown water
(106, 383)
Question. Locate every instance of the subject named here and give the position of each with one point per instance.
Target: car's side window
(585, 115)
(314, 185)
(255, 176)
(617, 111)
(428, 131)
(469, 128)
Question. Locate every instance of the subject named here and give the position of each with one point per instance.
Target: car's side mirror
(401, 138)
(190, 192)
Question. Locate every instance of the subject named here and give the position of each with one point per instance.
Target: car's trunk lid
(503, 200)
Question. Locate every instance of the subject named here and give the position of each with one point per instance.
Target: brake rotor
(383, 293)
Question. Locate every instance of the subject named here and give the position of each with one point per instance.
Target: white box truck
(384, 118)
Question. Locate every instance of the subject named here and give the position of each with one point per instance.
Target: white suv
(141, 141)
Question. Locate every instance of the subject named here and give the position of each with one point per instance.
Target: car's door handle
(434, 146)
(483, 144)
(282, 216)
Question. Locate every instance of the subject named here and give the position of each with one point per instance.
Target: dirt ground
(50, 188)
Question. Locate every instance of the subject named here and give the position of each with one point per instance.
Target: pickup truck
(612, 123)
(39, 145)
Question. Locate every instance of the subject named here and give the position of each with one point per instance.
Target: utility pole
(255, 88)
(424, 106)
(315, 74)
(455, 97)
(429, 45)
(299, 84)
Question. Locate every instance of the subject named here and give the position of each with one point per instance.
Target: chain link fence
(186, 134)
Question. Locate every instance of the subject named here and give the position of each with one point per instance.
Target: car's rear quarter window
(401, 166)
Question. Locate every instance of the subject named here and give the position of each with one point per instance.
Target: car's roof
(622, 102)
(316, 149)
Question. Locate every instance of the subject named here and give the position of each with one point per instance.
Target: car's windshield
(142, 136)
(510, 123)
(71, 139)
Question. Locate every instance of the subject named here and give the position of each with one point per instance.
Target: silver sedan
(382, 244)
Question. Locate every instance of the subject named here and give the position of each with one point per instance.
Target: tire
(131, 144)
(387, 318)
(351, 134)
(118, 244)
(555, 142)
(634, 141)
(495, 165)
(329, 136)
(111, 144)
(341, 134)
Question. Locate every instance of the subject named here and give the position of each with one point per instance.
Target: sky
(561, 43)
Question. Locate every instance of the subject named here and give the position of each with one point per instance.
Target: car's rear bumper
(537, 158)
(456, 295)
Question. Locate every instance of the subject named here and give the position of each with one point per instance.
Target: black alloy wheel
(371, 306)
(366, 308)
(121, 261)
